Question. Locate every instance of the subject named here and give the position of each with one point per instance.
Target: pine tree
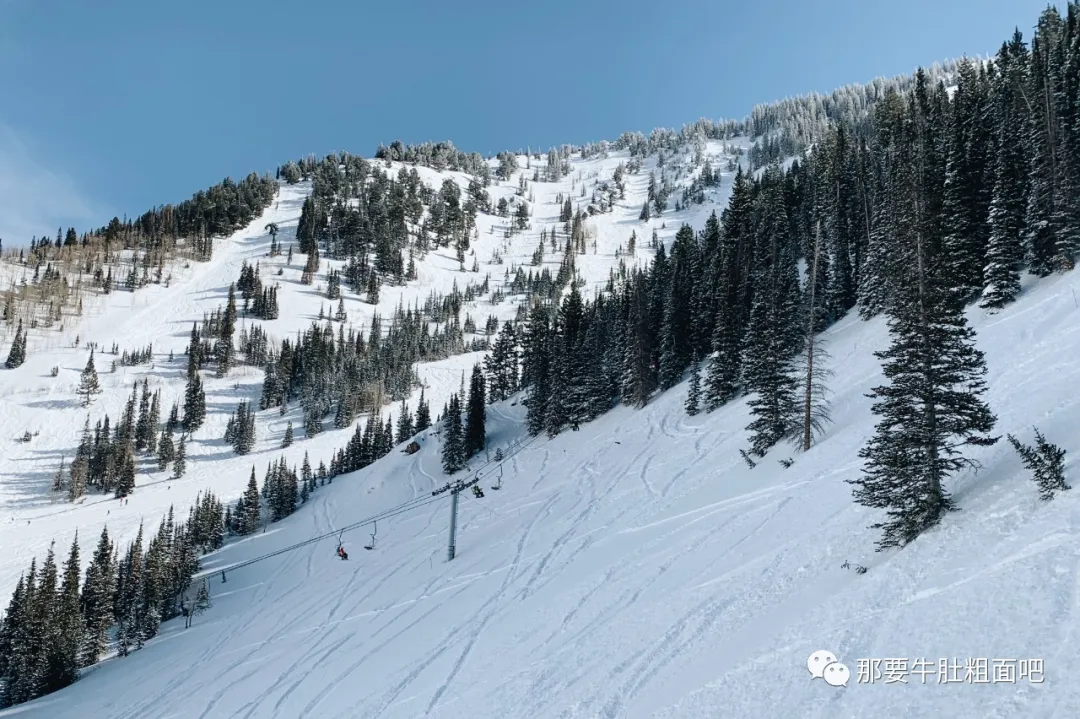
(1005, 251)
(60, 478)
(250, 519)
(17, 354)
(288, 440)
(225, 349)
(97, 601)
(125, 484)
(89, 385)
(1046, 462)
(932, 405)
(475, 431)
(772, 333)
(405, 424)
(423, 414)
(194, 404)
(166, 450)
(453, 440)
(693, 394)
(180, 460)
(67, 627)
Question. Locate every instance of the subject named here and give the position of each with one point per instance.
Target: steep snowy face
(638, 567)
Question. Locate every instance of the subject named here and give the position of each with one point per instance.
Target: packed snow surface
(634, 568)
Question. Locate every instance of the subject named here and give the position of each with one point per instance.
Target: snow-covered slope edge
(639, 568)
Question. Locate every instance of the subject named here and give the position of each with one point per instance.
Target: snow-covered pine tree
(728, 335)
(475, 429)
(224, 350)
(97, 601)
(1009, 199)
(773, 332)
(67, 629)
(17, 353)
(676, 329)
(453, 440)
(89, 385)
(693, 393)
(423, 414)
(932, 406)
(249, 520)
(194, 404)
(288, 439)
(125, 484)
(180, 458)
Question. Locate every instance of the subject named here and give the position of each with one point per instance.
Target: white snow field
(33, 401)
(635, 568)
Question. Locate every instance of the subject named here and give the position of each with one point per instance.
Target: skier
(477, 492)
(342, 553)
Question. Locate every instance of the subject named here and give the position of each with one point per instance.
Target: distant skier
(342, 553)
(477, 492)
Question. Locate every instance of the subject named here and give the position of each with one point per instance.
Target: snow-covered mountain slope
(638, 568)
(31, 400)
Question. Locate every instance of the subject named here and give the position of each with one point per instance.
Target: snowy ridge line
(415, 503)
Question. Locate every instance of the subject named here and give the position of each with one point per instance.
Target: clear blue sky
(113, 106)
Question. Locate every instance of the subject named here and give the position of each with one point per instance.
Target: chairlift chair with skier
(340, 548)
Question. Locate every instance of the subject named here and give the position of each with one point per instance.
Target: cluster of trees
(240, 429)
(787, 127)
(259, 301)
(59, 621)
(463, 438)
(341, 373)
(438, 156)
(936, 202)
(106, 457)
(358, 213)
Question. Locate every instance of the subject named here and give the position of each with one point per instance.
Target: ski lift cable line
(392, 512)
(415, 503)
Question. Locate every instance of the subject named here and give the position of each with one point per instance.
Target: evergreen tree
(932, 406)
(1005, 251)
(250, 520)
(125, 484)
(89, 385)
(693, 394)
(166, 450)
(1046, 462)
(453, 440)
(225, 349)
(194, 404)
(17, 354)
(180, 460)
(67, 628)
(288, 440)
(772, 333)
(475, 430)
(423, 414)
(97, 601)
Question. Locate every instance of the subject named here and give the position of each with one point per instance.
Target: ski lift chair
(498, 484)
(372, 545)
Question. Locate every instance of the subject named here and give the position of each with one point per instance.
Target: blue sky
(111, 107)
